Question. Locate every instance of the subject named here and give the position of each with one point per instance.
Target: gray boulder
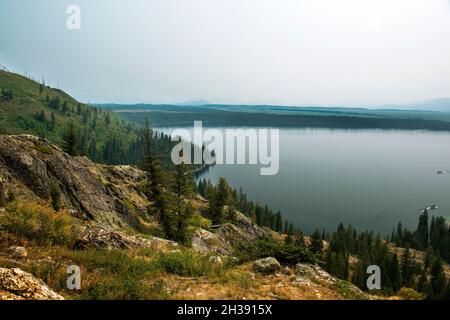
(18, 252)
(266, 266)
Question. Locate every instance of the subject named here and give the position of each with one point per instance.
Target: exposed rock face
(16, 284)
(18, 252)
(107, 194)
(208, 242)
(307, 274)
(98, 237)
(222, 238)
(267, 265)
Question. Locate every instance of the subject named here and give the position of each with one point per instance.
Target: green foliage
(409, 294)
(188, 263)
(436, 236)
(249, 116)
(237, 199)
(7, 94)
(39, 223)
(47, 112)
(70, 144)
(290, 254)
(316, 242)
(421, 235)
(55, 197)
(44, 149)
(221, 198)
(10, 196)
(438, 280)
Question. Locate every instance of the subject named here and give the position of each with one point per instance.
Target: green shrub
(285, 253)
(188, 263)
(124, 288)
(39, 223)
(55, 197)
(409, 294)
(44, 149)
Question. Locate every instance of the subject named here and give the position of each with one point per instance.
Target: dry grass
(39, 223)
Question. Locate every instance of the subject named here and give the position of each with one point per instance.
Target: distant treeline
(185, 116)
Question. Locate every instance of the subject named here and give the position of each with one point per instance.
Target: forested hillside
(27, 106)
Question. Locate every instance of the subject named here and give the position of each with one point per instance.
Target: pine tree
(183, 180)
(278, 222)
(331, 262)
(421, 234)
(291, 230)
(182, 225)
(53, 119)
(221, 197)
(399, 239)
(438, 280)
(316, 242)
(70, 144)
(41, 116)
(407, 268)
(395, 275)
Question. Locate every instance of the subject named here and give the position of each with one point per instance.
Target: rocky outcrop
(221, 239)
(266, 266)
(309, 274)
(17, 252)
(110, 195)
(16, 284)
(103, 238)
(208, 242)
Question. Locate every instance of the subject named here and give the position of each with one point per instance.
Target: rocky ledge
(16, 284)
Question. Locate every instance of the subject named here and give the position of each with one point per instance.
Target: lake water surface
(371, 179)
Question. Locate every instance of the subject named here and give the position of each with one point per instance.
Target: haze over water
(371, 179)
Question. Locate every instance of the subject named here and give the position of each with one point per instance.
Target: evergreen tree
(278, 222)
(291, 230)
(316, 242)
(399, 239)
(70, 144)
(438, 280)
(407, 268)
(221, 197)
(53, 119)
(183, 180)
(395, 275)
(421, 234)
(183, 219)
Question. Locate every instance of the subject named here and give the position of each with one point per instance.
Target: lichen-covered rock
(266, 266)
(309, 273)
(312, 270)
(18, 252)
(224, 237)
(16, 284)
(103, 238)
(207, 242)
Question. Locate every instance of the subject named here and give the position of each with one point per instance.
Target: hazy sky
(295, 52)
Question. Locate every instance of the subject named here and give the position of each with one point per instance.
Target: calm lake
(371, 179)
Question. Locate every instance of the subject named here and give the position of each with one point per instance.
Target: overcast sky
(287, 52)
